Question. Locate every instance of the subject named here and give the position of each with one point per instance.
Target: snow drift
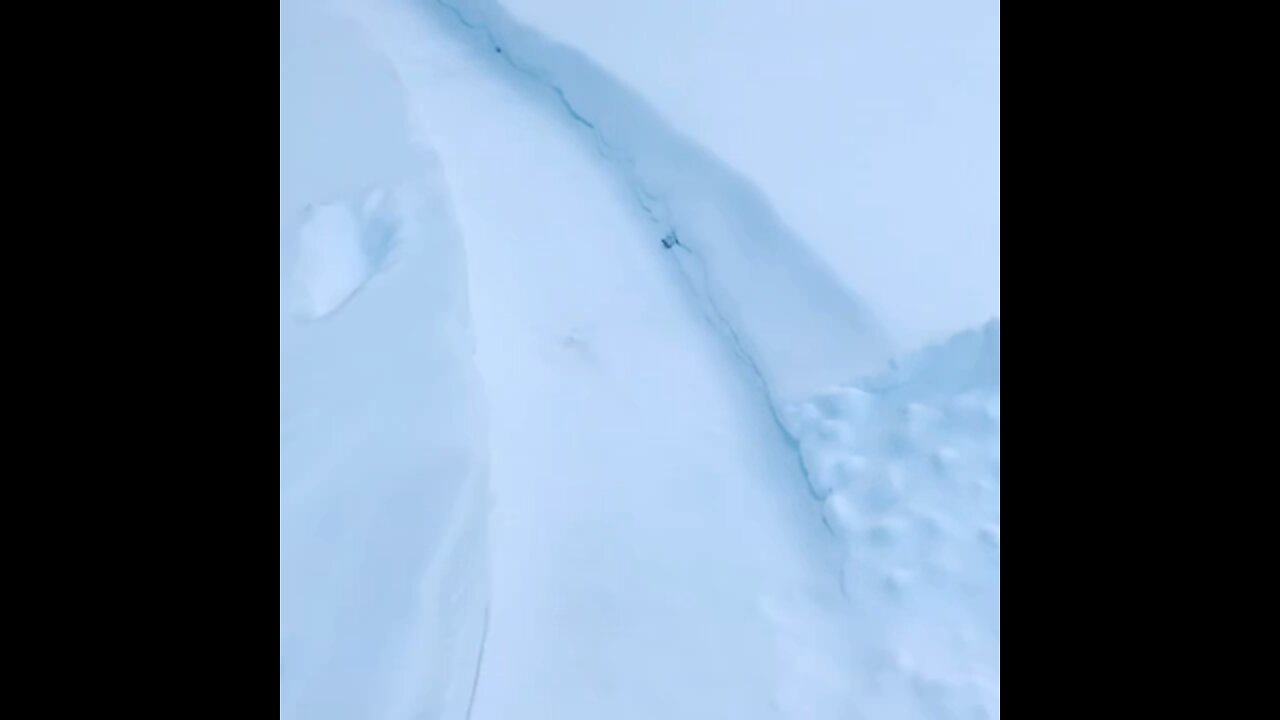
(383, 467)
(780, 305)
(666, 538)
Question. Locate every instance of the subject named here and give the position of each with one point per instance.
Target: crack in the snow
(646, 199)
(475, 681)
(692, 265)
(607, 151)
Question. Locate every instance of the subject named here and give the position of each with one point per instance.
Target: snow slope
(872, 127)
(382, 573)
(783, 309)
(647, 508)
(708, 499)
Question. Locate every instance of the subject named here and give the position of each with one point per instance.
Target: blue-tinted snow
(536, 462)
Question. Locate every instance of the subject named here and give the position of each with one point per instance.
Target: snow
(341, 245)
(580, 417)
(908, 467)
(781, 307)
(646, 506)
(331, 260)
(383, 579)
(872, 127)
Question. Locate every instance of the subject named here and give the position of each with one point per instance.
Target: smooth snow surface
(575, 423)
(782, 309)
(382, 488)
(872, 126)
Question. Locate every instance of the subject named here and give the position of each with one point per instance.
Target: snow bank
(383, 469)
(654, 550)
(907, 466)
(781, 307)
(384, 557)
(873, 127)
(906, 463)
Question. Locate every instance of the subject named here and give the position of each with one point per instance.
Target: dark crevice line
(717, 315)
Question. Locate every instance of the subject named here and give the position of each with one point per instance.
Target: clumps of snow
(907, 466)
(341, 245)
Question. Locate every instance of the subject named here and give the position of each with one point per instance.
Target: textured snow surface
(581, 417)
(908, 469)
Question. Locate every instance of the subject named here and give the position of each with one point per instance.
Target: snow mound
(341, 245)
(907, 466)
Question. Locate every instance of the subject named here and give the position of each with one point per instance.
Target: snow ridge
(788, 316)
(904, 461)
